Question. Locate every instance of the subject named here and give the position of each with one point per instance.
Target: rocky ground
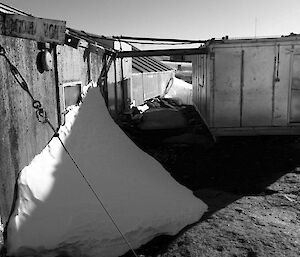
(252, 188)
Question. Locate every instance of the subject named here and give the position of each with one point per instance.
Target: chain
(39, 110)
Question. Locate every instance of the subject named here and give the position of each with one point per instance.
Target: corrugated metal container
(249, 87)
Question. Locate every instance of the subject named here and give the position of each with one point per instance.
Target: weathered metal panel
(295, 88)
(151, 88)
(112, 80)
(196, 66)
(282, 80)
(257, 90)
(22, 136)
(137, 92)
(78, 71)
(200, 84)
(204, 87)
(295, 106)
(227, 92)
(95, 66)
(72, 65)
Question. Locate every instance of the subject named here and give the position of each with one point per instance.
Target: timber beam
(163, 52)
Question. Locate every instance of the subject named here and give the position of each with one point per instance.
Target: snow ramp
(57, 214)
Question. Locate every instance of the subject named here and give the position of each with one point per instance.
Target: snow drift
(181, 91)
(56, 213)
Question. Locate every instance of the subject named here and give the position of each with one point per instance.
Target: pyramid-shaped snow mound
(56, 212)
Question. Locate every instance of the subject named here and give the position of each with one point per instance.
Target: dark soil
(252, 188)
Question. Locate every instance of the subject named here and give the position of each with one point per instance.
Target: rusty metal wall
(22, 136)
(148, 85)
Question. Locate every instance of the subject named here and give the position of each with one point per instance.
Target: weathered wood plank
(29, 27)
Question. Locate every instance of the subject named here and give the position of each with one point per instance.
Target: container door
(295, 90)
(257, 90)
(200, 84)
(227, 88)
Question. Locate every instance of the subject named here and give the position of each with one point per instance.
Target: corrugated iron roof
(148, 64)
(139, 64)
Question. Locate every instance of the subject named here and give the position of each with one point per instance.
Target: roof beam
(160, 39)
(163, 52)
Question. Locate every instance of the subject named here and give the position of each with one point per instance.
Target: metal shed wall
(22, 136)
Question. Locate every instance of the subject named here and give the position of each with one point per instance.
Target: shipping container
(249, 86)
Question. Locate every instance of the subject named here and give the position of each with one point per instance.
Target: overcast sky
(185, 19)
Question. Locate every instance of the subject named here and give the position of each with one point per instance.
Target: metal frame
(69, 84)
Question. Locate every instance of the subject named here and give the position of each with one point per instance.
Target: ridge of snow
(56, 213)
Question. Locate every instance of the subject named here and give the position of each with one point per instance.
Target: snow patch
(56, 213)
(181, 91)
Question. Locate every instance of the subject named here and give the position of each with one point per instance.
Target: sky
(185, 19)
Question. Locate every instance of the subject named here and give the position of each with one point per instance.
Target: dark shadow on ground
(220, 174)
